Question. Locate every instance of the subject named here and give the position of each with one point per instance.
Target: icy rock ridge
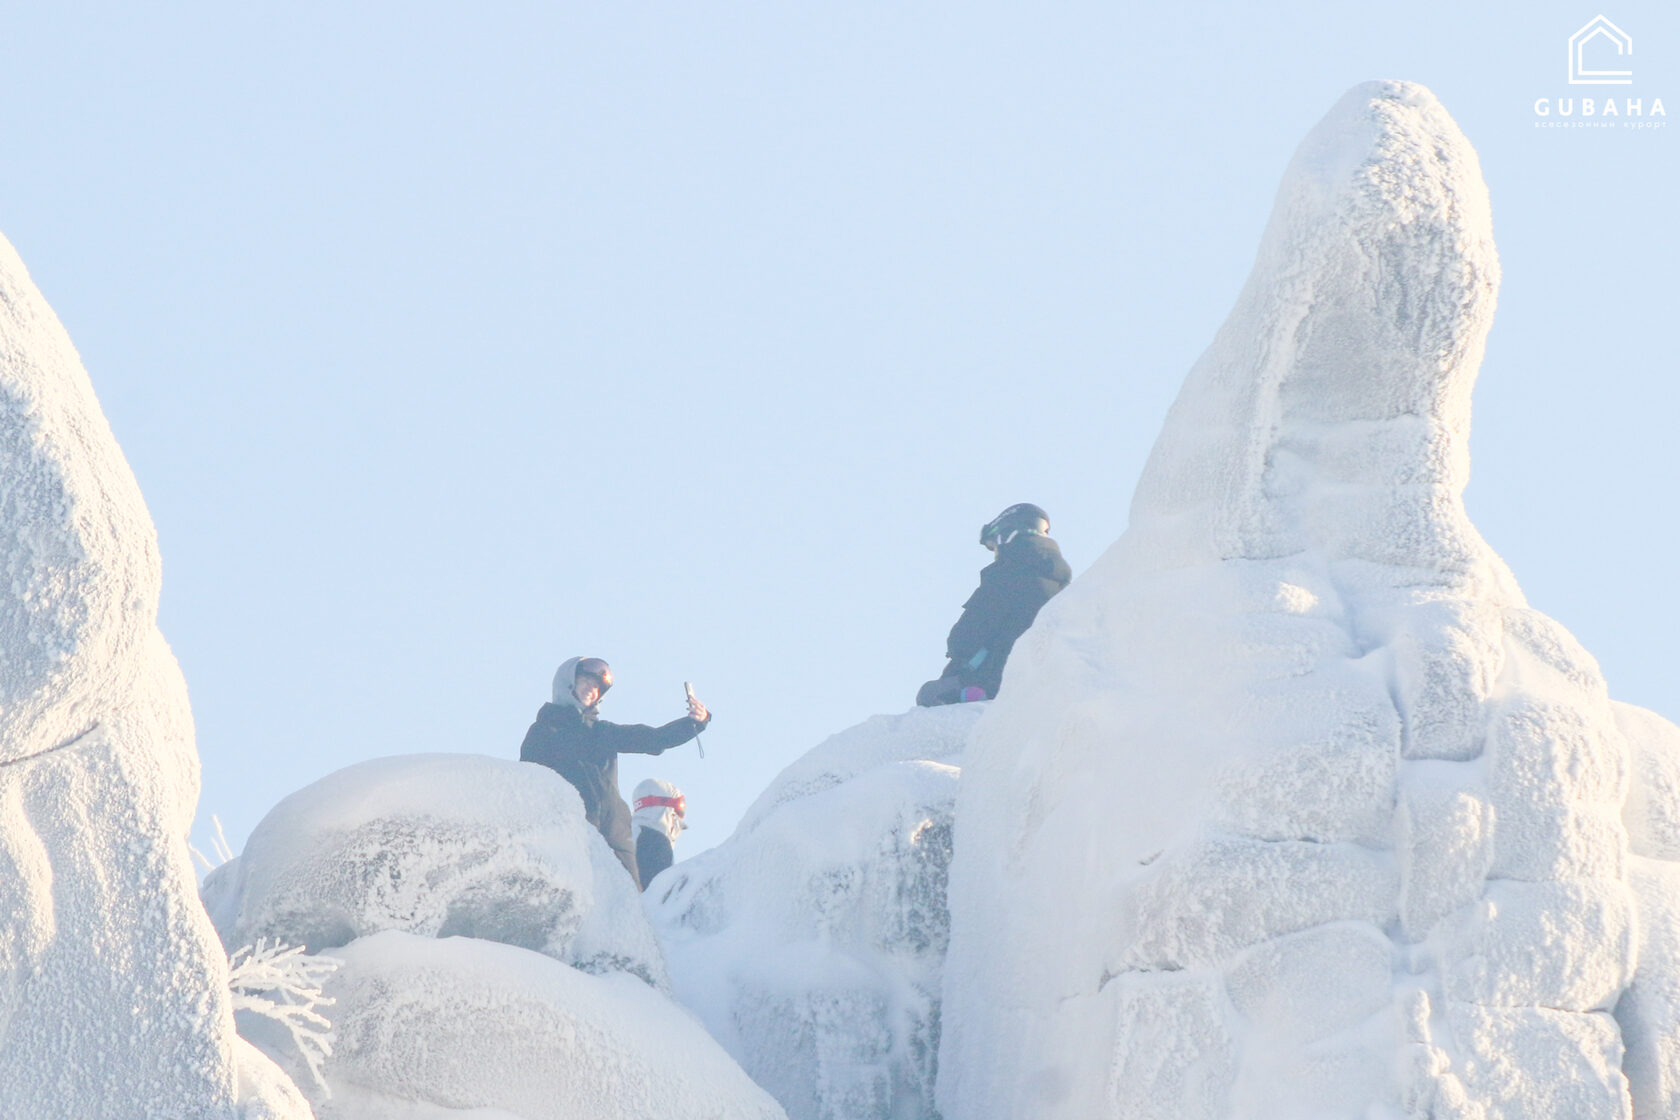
(1342, 813)
(1332, 410)
(113, 989)
(810, 943)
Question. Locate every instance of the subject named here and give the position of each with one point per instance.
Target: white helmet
(658, 805)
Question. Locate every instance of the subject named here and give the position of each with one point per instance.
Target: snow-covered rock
(1649, 1010)
(438, 846)
(1298, 809)
(429, 1027)
(810, 943)
(113, 988)
(265, 1091)
(495, 960)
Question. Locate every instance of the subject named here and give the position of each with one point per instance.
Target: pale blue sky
(447, 344)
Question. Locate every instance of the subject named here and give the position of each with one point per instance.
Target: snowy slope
(811, 942)
(1290, 806)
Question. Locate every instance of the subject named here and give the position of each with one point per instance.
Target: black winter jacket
(654, 854)
(584, 750)
(1028, 571)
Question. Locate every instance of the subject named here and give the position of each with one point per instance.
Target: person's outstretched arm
(639, 738)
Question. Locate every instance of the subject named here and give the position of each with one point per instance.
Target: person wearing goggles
(1027, 572)
(570, 738)
(658, 817)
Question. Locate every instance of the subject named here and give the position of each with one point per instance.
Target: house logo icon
(1600, 27)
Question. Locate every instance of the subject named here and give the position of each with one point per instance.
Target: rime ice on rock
(1649, 1011)
(113, 999)
(494, 954)
(438, 846)
(810, 942)
(428, 1026)
(1291, 807)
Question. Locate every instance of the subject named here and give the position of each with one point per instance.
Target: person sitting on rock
(1029, 569)
(570, 739)
(656, 822)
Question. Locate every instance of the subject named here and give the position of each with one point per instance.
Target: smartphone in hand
(688, 691)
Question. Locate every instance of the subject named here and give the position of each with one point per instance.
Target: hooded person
(1028, 572)
(656, 820)
(571, 739)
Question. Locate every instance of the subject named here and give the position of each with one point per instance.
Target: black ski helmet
(566, 678)
(1022, 517)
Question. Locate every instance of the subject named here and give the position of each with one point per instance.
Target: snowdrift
(113, 998)
(494, 954)
(811, 942)
(1299, 809)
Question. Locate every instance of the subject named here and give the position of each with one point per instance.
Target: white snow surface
(113, 998)
(436, 845)
(265, 1091)
(467, 1029)
(1291, 806)
(811, 942)
(1649, 1011)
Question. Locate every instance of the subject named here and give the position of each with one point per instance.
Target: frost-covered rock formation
(1649, 1011)
(1291, 806)
(425, 1025)
(494, 954)
(811, 941)
(113, 997)
(439, 846)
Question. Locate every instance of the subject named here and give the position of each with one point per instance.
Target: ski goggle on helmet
(679, 803)
(1022, 517)
(595, 669)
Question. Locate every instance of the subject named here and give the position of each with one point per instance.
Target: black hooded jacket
(584, 750)
(1028, 571)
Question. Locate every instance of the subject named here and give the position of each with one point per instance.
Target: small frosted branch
(224, 850)
(283, 983)
(219, 847)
